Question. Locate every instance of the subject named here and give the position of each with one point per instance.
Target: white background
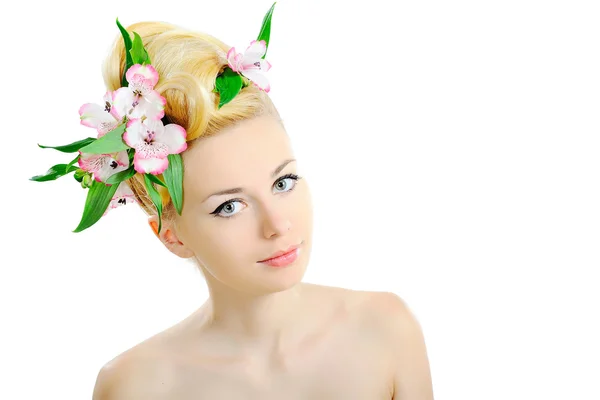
(452, 147)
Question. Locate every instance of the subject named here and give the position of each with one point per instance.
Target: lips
(281, 252)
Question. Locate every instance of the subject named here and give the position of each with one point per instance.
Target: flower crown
(134, 135)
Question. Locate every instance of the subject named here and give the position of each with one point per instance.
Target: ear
(169, 238)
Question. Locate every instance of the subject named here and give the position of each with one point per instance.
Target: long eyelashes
(220, 208)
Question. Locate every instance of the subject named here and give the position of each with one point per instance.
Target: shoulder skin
(403, 333)
(132, 376)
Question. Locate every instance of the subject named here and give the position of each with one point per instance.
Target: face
(229, 233)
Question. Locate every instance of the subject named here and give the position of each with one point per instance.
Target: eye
(227, 209)
(286, 183)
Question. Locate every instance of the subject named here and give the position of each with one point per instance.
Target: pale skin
(262, 333)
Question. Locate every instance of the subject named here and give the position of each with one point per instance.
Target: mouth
(282, 253)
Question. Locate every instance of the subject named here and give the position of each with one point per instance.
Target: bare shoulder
(393, 316)
(389, 307)
(375, 304)
(403, 334)
(141, 372)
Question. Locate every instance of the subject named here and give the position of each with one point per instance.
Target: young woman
(245, 218)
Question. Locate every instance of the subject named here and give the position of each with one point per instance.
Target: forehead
(237, 156)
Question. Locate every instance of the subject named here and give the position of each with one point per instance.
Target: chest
(348, 366)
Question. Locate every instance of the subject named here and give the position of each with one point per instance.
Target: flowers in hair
(251, 63)
(153, 142)
(134, 137)
(103, 166)
(102, 117)
(139, 99)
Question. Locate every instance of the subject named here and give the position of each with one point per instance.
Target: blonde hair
(188, 63)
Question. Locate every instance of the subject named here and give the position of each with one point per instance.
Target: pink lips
(281, 260)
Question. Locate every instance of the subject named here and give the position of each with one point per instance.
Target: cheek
(223, 242)
(301, 208)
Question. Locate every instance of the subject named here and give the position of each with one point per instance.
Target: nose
(275, 223)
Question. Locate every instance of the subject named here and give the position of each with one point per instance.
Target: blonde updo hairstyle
(188, 63)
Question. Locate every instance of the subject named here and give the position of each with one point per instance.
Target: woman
(245, 218)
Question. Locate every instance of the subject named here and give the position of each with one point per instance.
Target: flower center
(107, 107)
(149, 136)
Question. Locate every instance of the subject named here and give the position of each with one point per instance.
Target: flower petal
(151, 150)
(93, 115)
(122, 158)
(232, 59)
(101, 165)
(110, 167)
(152, 106)
(265, 65)
(150, 165)
(258, 78)
(147, 71)
(123, 196)
(255, 51)
(123, 103)
(135, 133)
(90, 162)
(173, 136)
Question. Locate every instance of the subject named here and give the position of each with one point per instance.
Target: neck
(252, 319)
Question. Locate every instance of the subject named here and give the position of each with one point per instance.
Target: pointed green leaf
(55, 172)
(112, 142)
(155, 196)
(73, 162)
(228, 85)
(265, 30)
(121, 176)
(139, 55)
(155, 179)
(128, 60)
(71, 148)
(174, 179)
(96, 203)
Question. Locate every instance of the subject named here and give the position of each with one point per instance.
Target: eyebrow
(240, 190)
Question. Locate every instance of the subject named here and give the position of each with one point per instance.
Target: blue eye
(230, 209)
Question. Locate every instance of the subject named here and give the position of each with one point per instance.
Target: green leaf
(265, 30)
(129, 61)
(174, 178)
(71, 148)
(119, 177)
(139, 55)
(55, 172)
(96, 203)
(73, 162)
(155, 196)
(112, 142)
(155, 179)
(228, 85)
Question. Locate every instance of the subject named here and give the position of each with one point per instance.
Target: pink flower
(251, 64)
(123, 196)
(104, 118)
(153, 142)
(139, 98)
(103, 166)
